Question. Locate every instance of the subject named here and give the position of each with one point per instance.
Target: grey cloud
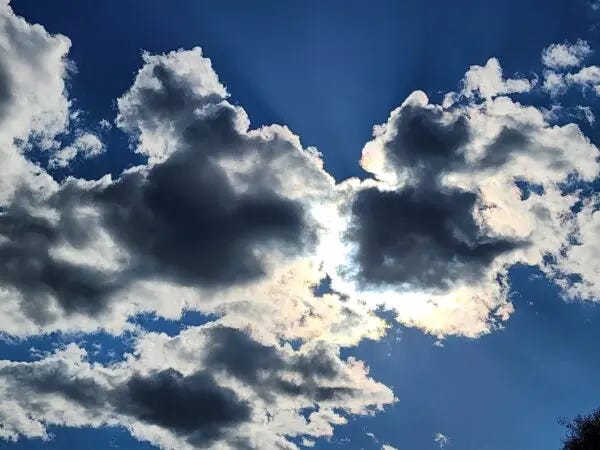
(182, 220)
(6, 93)
(262, 367)
(173, 102)
(428, 240)
(193, 406)
(425, 235)
(26, 264)
(186, 214)
(424, 143)
(512, 141)
(508, 142)
(56, 379)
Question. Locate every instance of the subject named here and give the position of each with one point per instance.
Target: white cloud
(105, 124)
(585, 112)
(86, 145)
(587, 79)
(581, 258)
(257, 392)
(554, 83)
(487, 81)
(33, 104)
(490, 146)
(566, 55)
(441, 439)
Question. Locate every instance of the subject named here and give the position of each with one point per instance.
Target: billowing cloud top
(245, 225)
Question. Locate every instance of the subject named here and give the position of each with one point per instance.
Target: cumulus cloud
(221, 211)
(222, 219)
(245, 224)
(208, 387)
(461, 194)
(586, 78)
(562, 60)
(33, 105)
(217, 206)
(566, 55)
(487, 81)
(554, 83)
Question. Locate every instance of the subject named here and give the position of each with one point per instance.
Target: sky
(286, 225)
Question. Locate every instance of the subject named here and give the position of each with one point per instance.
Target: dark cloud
(425, 235)
(241, 356)
(27, 264)
(55, 379)
(183, 220)
(193, 406)
(6, 93)
(263, 367)
(508, 142)
(427, 240)
(186, 216)
(425, 143)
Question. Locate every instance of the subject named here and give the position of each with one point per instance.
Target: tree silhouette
(583, 432)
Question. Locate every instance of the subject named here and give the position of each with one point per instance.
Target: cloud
(33, 104)
(554, 83)
(86, 145)
(562, 57)
(441, 439)
(587, 78)
(221, 219)
(217, 206)
(222, 214)
(461, 193)
(576, 268)
(566, 55)
(193, 406)
(440, 244)
(487, 81)
(198, 395)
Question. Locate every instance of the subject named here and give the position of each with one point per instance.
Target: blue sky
(330, 71)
